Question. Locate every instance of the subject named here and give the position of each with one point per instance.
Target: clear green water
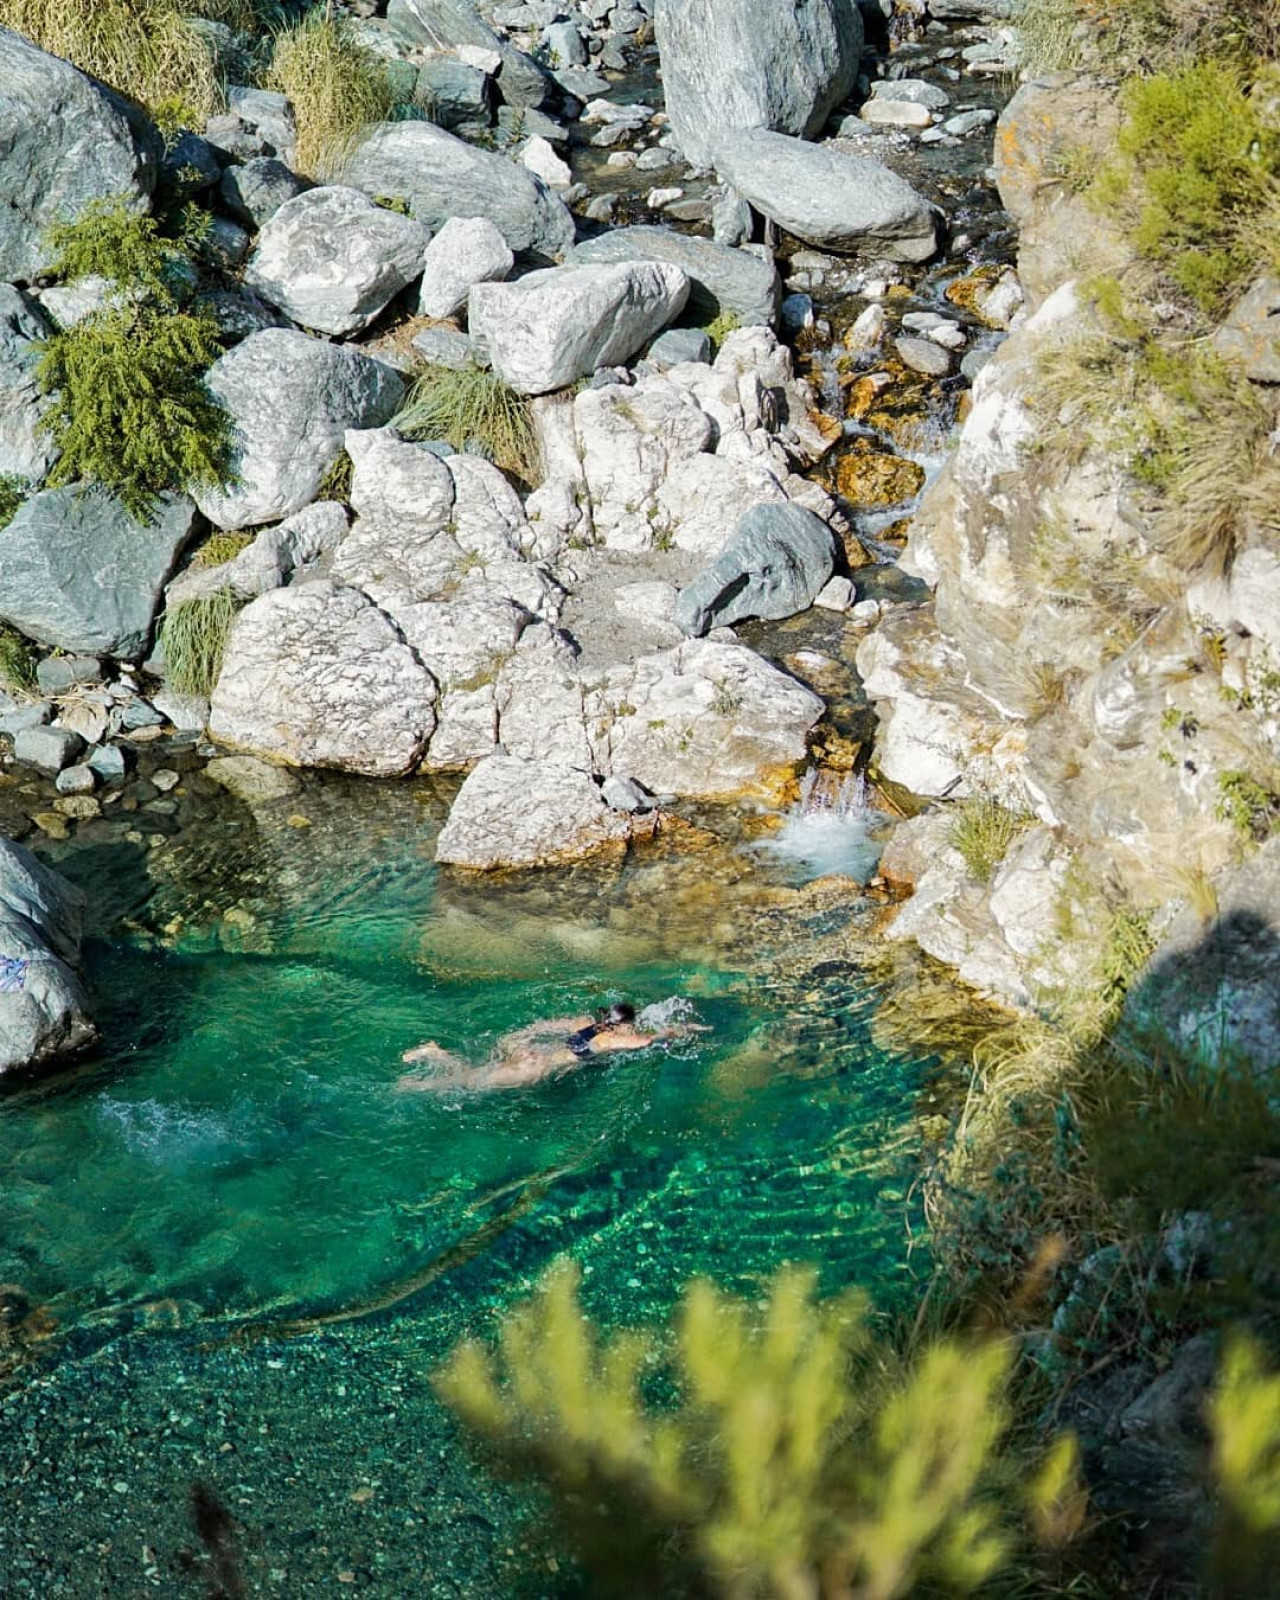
(236, 1158)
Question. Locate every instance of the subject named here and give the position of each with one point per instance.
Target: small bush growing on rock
(720, 327)
(17, 663)
(220, 547)
(194, 639)
(983, 831)
(337, 89)
(1250, 807)
(13, 491)
(471, 403)
(129, 407)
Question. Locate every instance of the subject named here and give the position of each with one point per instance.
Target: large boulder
(513, 813)
(332, 260)
(65, 141)
(317, 676)
(25, 452)
(43, 1012)
(830, 200)
(775, 563)
(551, 328)
(466, 251)
(442, 177)
(721, 279)
(78, 572)
(729, 64)
(446, 24)
(291, 399)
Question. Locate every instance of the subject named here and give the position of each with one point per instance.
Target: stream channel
(247, 1253)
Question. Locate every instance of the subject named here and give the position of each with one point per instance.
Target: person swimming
(544, 1049)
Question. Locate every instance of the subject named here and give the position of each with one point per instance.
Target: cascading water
(830, 829)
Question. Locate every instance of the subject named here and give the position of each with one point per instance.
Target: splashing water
(831, 828)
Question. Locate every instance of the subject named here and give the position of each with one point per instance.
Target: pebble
(622, 158)
(657, 198)
(654, 160)
(79, 779)
(922, 355)
(79, 807)
(52, 824)
(165, 779)
(836, 594)
(968, 122)
(896, 114)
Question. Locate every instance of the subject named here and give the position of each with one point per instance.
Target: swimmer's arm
(560, 1025)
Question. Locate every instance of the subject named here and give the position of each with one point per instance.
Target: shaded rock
(443, 177)
(777, 560)
(721, 279)
(558, 325)
(513, 813)
(78, 779)
(237, 315)
(466, 251)
(69, 303)
(56, 674)
(455, 96)
(82, 574)
(447, 24)
(729, 64)
(255, 782)
(25, 452)
(833, 201)
(65, 141)
(291, 398)
(317, 676)
(43, 1011)
(445, 347)
(50, 749)
(1251, 333)
(255, 191)
(332, 260)
(677, 345)
(268, 117)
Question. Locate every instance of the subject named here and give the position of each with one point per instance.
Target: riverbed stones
(466, 251)
(830, 200)
(80, 573)
(731, 64)
(721, 279)
(257, 783)
(291, 398)
(776, 561)
(331, 259)
(519, 814)
(442, 177)
(317, 676)
(923, 356)
(65, 141)
(25, 451)
(49, 749)
(44, 1015)
(455, 25)
(555, 326)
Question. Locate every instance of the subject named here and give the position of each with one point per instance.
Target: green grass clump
(220, 547)
(337, 89)
(13, 491)
(720, 327)
(1250, 807)
(1142, 36)
(1199, 158)
(128, 404)
(336, 483)
(466, 404)
(194, 638)
(17, 662)
(983, 832)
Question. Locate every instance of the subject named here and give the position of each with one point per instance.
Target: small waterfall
(830, 828)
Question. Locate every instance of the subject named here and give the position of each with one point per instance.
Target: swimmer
(543, 1050)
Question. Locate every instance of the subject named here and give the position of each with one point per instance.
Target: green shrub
(336, 86)
(983, 831)
(128, 403)
(17, 662)
(194, 638)
(336, 483)
(720, 327)
(1244, 1415)
(471, 403)
(1251, 808)
(220, 547)
(13, 491)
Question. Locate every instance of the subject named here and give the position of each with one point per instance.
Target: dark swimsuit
(580, 1042)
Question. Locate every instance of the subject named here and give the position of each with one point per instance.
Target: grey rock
(277, 556)
(466, 251)
(967, 122)
(513, 813)
(776, 562)
(57, 674)
(82, 574)
(833, 201)
(225, 244)
(565, 45)
(45, 1017)
(720, 278)
(107, 761)
(50, 749)
(454, 95)
(238, 315)
(443, 177)
(625, 794)
(796, 312)
(65, 141)
(255, 191)
(731, 219)
(516, 124)
(729, 64)
(17, 718)
(558, 325)
(25, 452)
(69, 303)
(1251, 333)
(139, 713)
(445, 24)
(580, 82)
(678, 345)
(332, 260)
(914, 90)
(290, 398)
(190, 166)
(924, 356)
(267, 115)
(189, 713)
(444, 347)
(77, 779)
(257, 783)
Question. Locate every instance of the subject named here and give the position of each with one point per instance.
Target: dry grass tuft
(337, 88)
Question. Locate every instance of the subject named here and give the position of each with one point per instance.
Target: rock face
(445, 24)
(466, 251)
(317, 676)
(24, 451)
(443, 177)
(81, 574)
(730, 64)
(776, 562)
(332, 260)
(291, 398)
(720, 278)
(553, 327)
(512, 813)
(65, 141)
(830, 200)
(255, 191)
(43, 1011)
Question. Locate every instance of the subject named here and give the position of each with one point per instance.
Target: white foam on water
(165, 1135)
(830, 829)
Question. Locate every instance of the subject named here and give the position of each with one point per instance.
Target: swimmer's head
(619, 1014)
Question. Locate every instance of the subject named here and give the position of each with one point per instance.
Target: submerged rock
(729, 64)
(44, 1015)
(255, 782)
(777, 560)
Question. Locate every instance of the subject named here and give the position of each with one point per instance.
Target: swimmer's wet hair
(620, 1011)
